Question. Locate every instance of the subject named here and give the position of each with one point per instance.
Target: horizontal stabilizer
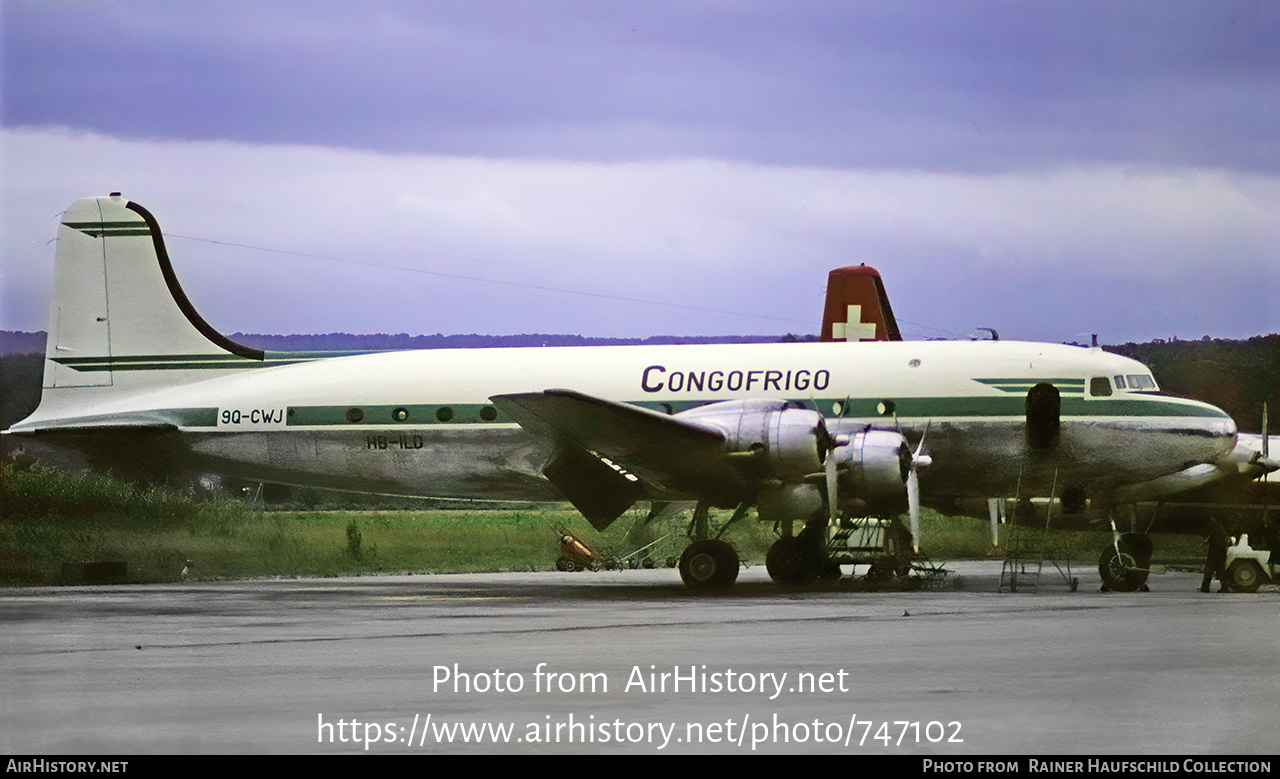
(157, 419)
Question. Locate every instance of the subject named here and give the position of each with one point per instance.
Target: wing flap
(600, 492)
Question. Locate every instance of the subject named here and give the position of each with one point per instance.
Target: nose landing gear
(1125, 564)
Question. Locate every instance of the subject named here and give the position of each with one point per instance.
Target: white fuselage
(421, 422)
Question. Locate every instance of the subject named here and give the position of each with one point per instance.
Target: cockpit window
(1119, 382)
(1140, 381)
(1099, 386)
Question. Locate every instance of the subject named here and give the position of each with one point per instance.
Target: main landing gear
(803, 558)
(709, 563)
(817, 552)
(799, 559)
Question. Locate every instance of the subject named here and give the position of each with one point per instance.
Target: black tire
(707, 564)
(1123, 572)
(879, 573)
(1140, 546)
(790, 561)
(1243, 576)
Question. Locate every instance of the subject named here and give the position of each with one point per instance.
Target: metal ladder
(1022, 563)
(1024, 559)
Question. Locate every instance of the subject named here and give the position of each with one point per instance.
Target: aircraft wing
(605, 453)
(1257, 452)
(1249, 460)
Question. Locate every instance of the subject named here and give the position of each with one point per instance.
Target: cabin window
(444, 413)
(1099, 386)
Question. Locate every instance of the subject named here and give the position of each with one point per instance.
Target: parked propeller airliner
(134, 375)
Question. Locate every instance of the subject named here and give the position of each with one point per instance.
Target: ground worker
(1216, 560)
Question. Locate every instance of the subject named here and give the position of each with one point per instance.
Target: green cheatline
(420, 415)
(1021, 386)
(383, 415)
(99, 229)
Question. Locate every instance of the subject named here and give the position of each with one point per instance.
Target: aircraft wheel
(879, 573)
(790, 561)
(1140, 547)
(1243, 576)
(1121, 572)
(709, 564)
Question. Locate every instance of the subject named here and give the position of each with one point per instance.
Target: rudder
(857, 308)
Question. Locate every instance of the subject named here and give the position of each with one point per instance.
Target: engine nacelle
(788, 444)
(791, 442)
(873, 466)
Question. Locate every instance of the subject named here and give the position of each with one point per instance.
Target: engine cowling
(789, 444)
(872, 466)
(786, 442)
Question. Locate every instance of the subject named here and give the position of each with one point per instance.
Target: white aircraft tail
(119, 320)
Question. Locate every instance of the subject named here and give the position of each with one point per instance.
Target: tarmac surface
(287, 666)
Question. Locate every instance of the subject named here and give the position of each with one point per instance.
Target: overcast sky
(642, 168)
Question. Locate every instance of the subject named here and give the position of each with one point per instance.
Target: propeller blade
(913, 507)
(918, 461)
(923, 435)
(1265, 447)
(832, 480)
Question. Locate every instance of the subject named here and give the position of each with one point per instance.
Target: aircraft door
(1044, 416)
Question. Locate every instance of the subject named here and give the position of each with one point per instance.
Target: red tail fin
(857, 307)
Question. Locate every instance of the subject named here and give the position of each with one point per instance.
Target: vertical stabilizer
(119, 318)
(857, 307)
